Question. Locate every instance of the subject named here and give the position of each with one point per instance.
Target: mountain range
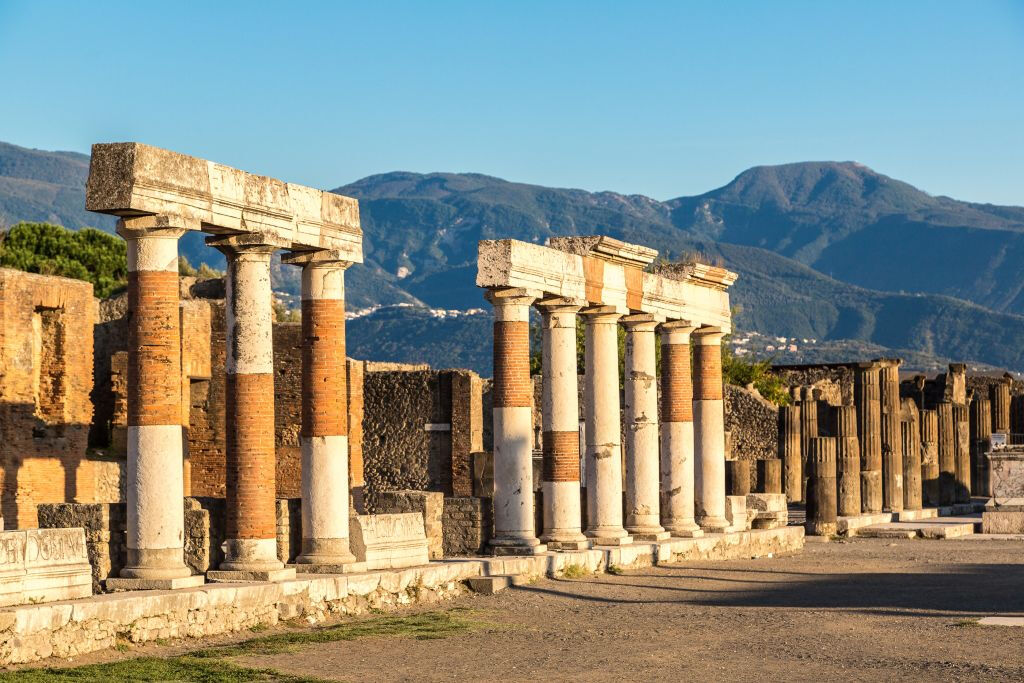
(825, 250)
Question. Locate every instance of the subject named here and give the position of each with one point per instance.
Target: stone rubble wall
(752, 424)
(467, 526)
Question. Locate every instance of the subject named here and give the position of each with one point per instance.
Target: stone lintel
(606, 248)
(131, 179)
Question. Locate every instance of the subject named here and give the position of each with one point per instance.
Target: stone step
(489, 585)
(929, 528)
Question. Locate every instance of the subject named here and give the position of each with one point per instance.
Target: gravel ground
(863, 610)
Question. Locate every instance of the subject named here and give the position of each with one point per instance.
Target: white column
(560, 423)
(514, 527)
(604, 452)
(643, 519)
(677, 489)
(709, 434)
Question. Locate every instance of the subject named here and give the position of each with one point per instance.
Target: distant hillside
(845, 220)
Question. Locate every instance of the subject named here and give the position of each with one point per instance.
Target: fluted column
(910, 431)
(324, 436)
(892, 440)
(155, 485)
(981, 443)
(643, 518)
(947, 453)
(790, 452)
(929, 458)
(821, 487)
(709, 430)
(962, 470)
(847, 461)
(604, 451)
(560, 424)
(514, 526)
(999, 395)
(867, 399)
(677, 487)
(250, 508)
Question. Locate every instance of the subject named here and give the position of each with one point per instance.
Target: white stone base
(247, 576)
(64, 629)
(118, 584)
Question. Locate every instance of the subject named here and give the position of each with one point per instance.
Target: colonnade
(155, 482)
(674, 485)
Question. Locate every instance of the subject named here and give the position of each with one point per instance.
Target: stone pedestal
(155, 473)
(677, 466)
(947, 453)
(709, 430)
(929, 458)
(560, 425)
(388, 541)
(790, 452)
(250, 509)
(847, 461)
(604, 453)
(643, 518)
(867, 400)
(769, 476)
(892, 441)
(821, 488)
(514, 531)
(324, 436)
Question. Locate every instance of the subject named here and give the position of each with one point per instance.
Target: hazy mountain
(802, 237)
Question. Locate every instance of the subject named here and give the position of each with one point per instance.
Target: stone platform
(65, 629)
(938, 527)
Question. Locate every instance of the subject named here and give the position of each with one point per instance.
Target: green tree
(759, 373)
(85, 254)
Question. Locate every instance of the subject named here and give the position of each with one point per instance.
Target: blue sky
(662, 99)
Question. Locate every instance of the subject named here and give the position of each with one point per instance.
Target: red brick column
(250, 515)
(154, 434)
(677, 512)
(514, 528)
(709, 430)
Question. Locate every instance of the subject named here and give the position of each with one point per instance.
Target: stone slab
(886, 531)
(389, 541)
(1001, 621)
(915, 515)
(239, 576)
(1002, 522)
(347, 568)
(1006, 474)
(119, 584)
(850, 525)
(43, 565)
(933, 528)
(1004, 505)
(518, 550)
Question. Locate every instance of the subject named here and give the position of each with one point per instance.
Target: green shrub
(85, 254)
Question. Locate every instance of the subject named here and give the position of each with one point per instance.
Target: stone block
(430, 504)
(43, 565)
(1006, 474)
(389, 541)
(737, 515)
(1002, 522)
(119, 584)
(483, 474)
(238, 576)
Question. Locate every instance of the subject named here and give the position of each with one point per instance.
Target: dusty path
(862, 610)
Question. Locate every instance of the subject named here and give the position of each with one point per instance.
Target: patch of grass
(966, 623)
(425, 626)
(615, 569)
(155, 669)
(257, 628)
(574, 571)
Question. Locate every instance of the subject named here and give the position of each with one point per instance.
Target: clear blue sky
(662, 99)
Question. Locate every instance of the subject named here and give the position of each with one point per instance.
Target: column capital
(708, 336)
(677, 331)
(511, 304)
(601, 315)
(639, 322)
(251, 245)
(559, 304)
(160, 225)
(321, 258)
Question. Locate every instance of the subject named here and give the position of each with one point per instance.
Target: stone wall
(46, 375)
(833, 380)
(752, 425)
(468, 526)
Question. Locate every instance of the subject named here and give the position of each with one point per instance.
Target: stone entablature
(610, 273)
(130, 179)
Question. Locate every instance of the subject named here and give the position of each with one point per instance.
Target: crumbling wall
(834, 381)
(752, 425)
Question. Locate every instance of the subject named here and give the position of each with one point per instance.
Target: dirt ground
(863, 610)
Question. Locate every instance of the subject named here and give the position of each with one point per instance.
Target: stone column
(947, 453)
(847, 461)
(821, 488)
(250, 506)
(892, 441)
(737, 477)
(560, 422)
(867, 399)
(999, 395)
(962, 471)
(514, 527)
(155, 486)
(604, 451)
(981, 443)
(643, 518)
(769, 476)
(808, 421)
(324, 436)
(709, 430)
(929, 458)
(790, 453)
(911, 437)
(677, 486)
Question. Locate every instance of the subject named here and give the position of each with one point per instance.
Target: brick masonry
(676, 383)
(251, 458)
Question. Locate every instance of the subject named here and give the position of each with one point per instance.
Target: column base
(649, 536)
(569, 545)
(252, 556)
(155, 564)
(609, 536)
(332, 551)
(502, 550)
(565, 539)
(116, 585)
(326, 568)
(688, 529)
(713, 525)
(241, 575)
